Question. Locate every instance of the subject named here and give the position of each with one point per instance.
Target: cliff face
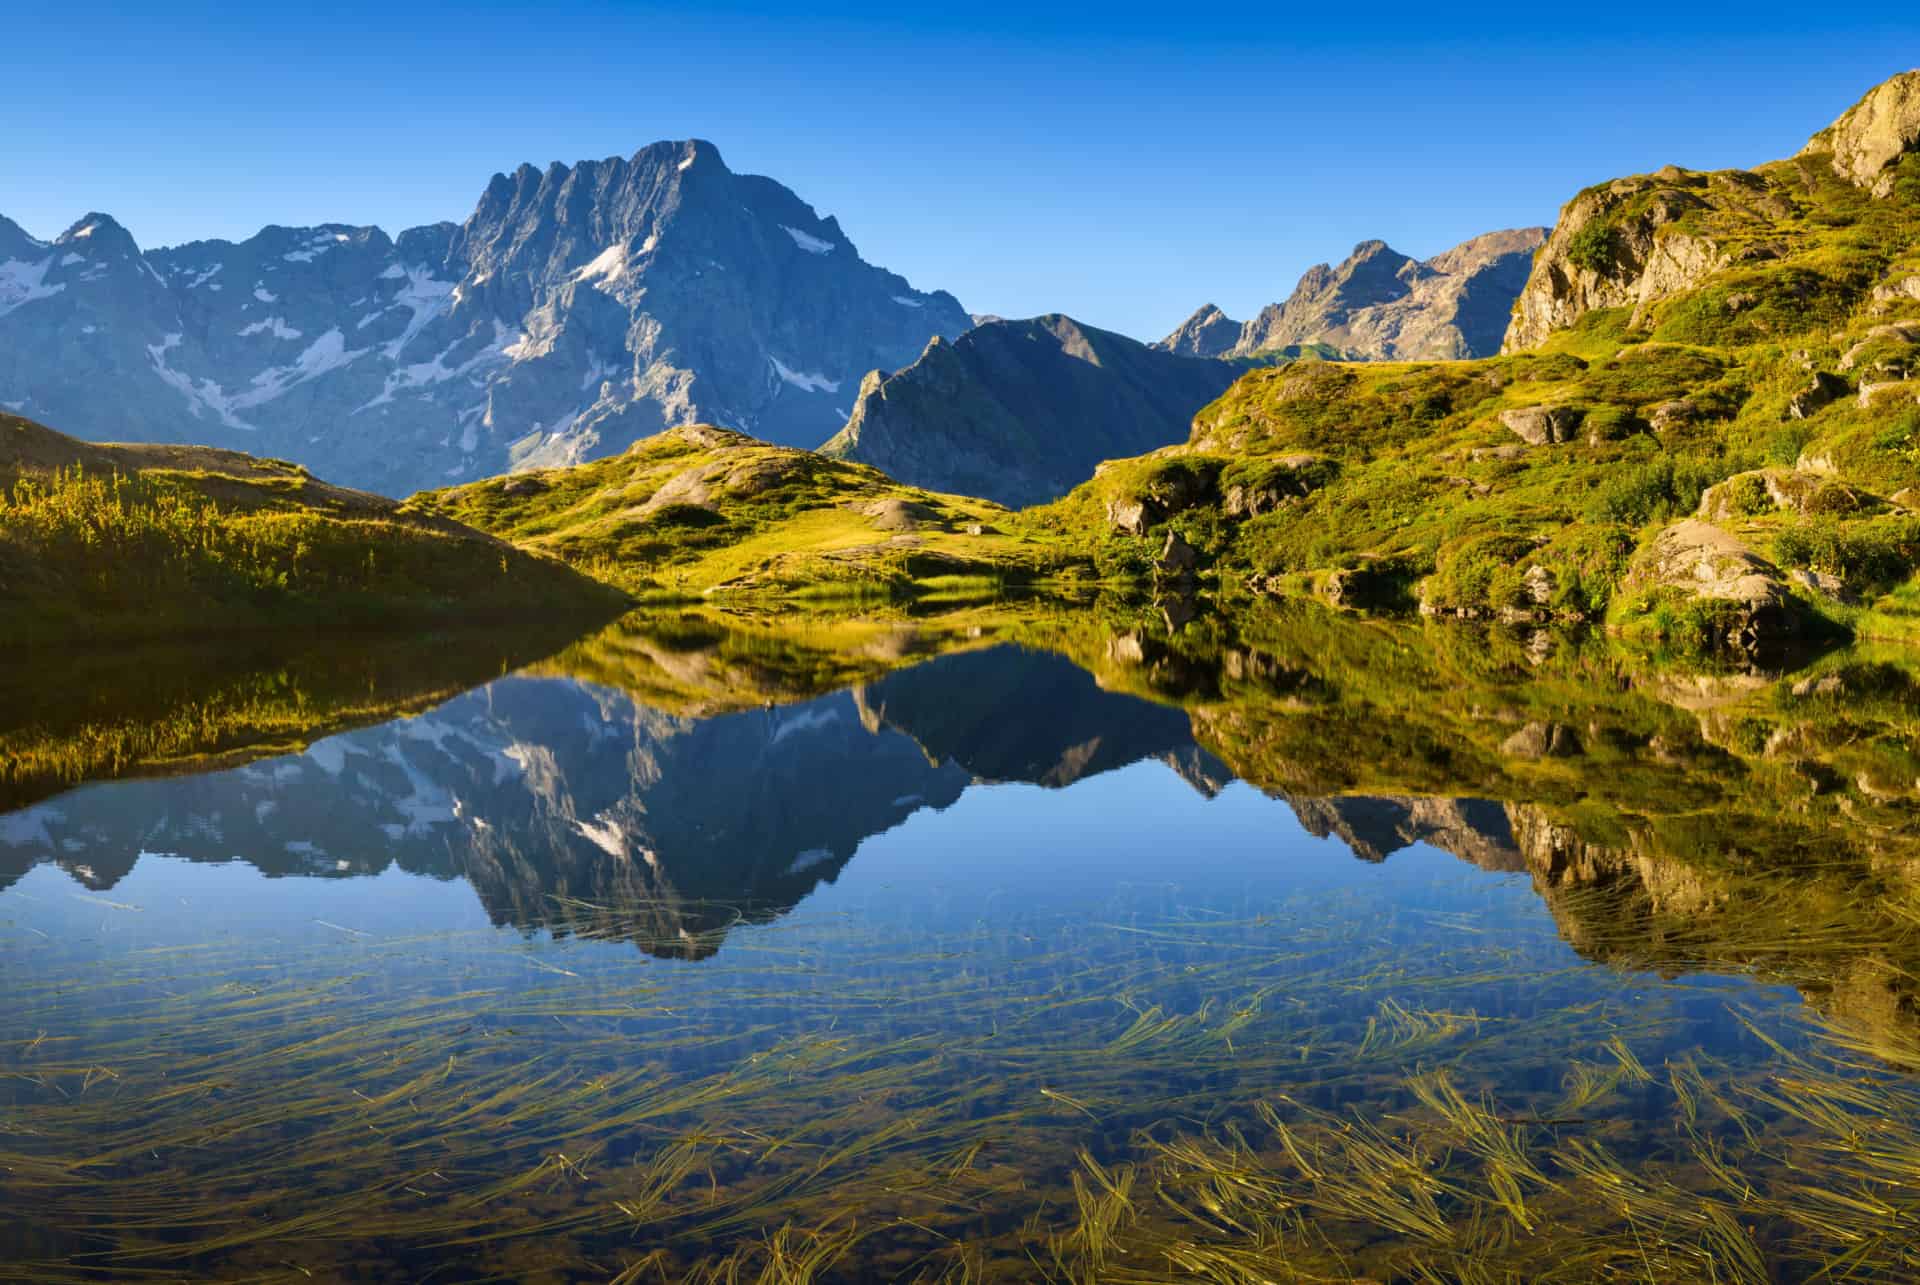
(1869, 137)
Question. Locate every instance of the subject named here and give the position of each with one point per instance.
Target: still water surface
(977, 969)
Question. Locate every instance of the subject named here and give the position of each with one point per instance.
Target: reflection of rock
(1632, 905)
(1542, 740)
(1027, 716)
(1474, 830)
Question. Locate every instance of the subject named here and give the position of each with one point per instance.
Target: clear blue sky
(1121, 163)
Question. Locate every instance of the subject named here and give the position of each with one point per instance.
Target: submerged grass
(1258, 1096)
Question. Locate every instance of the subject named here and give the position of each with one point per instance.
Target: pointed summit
(98, 236)
(1209, 332)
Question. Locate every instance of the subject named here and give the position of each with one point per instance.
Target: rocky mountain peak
(579, 308)
(98, 236)
(1023, 411)
(1874, 133)
(1209, 332)
(1379, 303)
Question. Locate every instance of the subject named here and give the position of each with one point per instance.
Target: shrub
(1657, 489)
(1868, 556)
(1596, 247)
(1610, 423)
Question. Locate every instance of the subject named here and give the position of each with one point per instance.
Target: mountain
(113, 542)
(1381, 305)
(1022, 411)
(576, 310)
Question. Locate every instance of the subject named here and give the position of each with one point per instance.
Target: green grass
(111, 546)
(741, 517)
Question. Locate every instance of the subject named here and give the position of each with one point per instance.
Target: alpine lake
(1012, 941)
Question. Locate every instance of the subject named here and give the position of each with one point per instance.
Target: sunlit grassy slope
(108, 542)
(701, 509)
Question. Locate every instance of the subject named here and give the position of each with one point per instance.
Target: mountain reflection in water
(993, 912)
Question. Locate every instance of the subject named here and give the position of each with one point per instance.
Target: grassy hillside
(699, 510)
(111, 542)
(1739, 347)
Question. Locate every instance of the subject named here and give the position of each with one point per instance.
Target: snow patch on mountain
(609, 265)
(21, 283)
(204, 397)
(425, 298)
(801, 379)
(808, 242)
(274, 326)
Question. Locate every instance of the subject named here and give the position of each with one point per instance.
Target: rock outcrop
(1872, 134)
(1382, 305)
(1619, 245)
(1022, 411)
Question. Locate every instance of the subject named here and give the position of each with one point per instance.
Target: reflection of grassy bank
(100, 714)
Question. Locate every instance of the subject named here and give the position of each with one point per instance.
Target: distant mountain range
(1023, 411)
(576, 310)
(579, 309)
(1382, 305)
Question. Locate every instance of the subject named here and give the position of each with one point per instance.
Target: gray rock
(1540, 585)
(1821, 392)
(1874, 133)
(1177, 557)
(1542, 740)
(1542, 425)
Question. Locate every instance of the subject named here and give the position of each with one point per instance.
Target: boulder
(1130, 516)
(1889, 390)
(1539, 582)
(1668, 416)
(1820, 582)
(1821, 392)
(1542, 425)
(523, 484)
(1874, 133)
(1177, 557)
(1775, 489)
(1898, 290)
(1705, 563)
(1907, 332)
